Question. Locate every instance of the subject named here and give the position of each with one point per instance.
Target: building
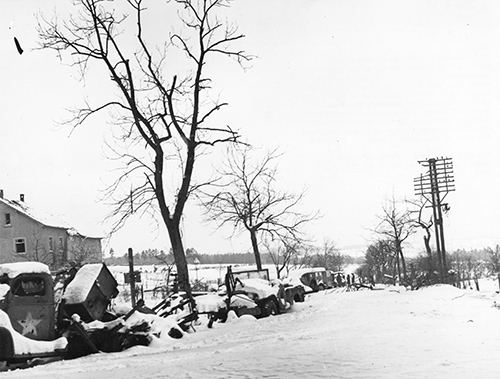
(29, 236)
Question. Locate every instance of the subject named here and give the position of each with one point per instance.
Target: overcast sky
(352, 93)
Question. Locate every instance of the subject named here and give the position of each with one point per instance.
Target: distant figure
(339, 280)
(348, 281)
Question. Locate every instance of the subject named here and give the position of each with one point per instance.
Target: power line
(434, 185)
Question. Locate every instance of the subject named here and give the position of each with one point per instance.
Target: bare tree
(247, 199)
(160, 114)
(379, 259)
(420, 222)
(282, 254)
(305, 256)
(329, 257)
(494, 256)
(396, 225)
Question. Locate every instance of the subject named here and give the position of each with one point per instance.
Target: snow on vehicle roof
(242, 301)
(260, 287)
(78, 289)
(14, 269)
(209, 303)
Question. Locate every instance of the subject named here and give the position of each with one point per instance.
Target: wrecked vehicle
(41, 321)
(27, 314)
(249, 292)
(313, 278)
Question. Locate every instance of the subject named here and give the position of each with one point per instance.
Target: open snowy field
(435, 332)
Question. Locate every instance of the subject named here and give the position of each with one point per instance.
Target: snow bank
(441, 291)
(24, 345)
(435, 332)
(496, 301)
(78, 289)
(260, 287)
(14, 269)
(247, 318)
(231, 317)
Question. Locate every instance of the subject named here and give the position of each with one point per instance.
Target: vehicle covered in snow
(27, 313)
(27, 297)
(249, 292)
(34, 327)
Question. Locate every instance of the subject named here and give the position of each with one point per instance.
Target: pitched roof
(47, 219)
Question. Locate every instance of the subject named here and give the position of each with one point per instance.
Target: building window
(51, 244)
(7, 219)
(20, 245)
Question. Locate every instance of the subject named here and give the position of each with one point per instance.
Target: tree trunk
(403, 264)
(172, 223)
(399, 251)
(398, 267)
(429, 253)
(255, 246)
(179, 256)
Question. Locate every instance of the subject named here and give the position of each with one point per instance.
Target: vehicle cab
(29, 299)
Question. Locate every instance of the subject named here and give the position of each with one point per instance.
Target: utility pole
(434, 185)
(131, 273)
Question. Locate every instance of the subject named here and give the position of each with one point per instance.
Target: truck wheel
(321, 287)
(269, 307)
(299, 297)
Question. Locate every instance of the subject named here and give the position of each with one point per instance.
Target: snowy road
(438, 332)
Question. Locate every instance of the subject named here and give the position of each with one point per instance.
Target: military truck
(249, 292)
(35, 314)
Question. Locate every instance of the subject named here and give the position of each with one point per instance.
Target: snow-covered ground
(435, 332)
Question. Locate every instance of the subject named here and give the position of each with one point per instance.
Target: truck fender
(6, 344)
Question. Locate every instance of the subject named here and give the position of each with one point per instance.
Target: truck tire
(299, 297)
(269, 307)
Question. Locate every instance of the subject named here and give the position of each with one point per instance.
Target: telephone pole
(434, 185)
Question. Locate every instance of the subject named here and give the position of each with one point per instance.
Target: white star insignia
(29, 325)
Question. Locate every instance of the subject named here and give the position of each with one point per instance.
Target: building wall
(46, 244)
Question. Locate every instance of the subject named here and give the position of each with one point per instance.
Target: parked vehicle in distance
(249, 292)
(316, 278)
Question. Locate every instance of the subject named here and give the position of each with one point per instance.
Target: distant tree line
(283, 259)
(157, 257)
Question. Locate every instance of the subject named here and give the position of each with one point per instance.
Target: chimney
(21, 197)
(1, 193)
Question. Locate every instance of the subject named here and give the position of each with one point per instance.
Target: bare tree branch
(251, 202)
(154, 116)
